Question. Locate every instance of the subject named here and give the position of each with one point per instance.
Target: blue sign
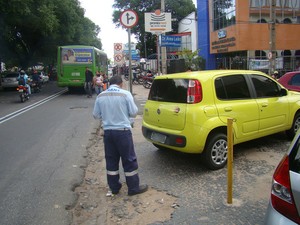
(135, 57)
(222, 34)
(132, 52)
(170, 41)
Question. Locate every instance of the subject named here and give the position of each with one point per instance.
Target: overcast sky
(100, 12)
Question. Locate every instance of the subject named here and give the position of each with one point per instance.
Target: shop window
(261, 21)
(260, 54)
(287, 20)
(224, 13)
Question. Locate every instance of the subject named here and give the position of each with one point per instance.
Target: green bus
(72, 61)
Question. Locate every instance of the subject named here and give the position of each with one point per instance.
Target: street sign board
(170, 41)
(129, 18)
(118, 47)
(158, 22)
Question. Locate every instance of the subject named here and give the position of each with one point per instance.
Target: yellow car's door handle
(228, 109)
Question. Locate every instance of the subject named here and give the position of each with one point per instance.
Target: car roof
(207, 74)
(12, 74)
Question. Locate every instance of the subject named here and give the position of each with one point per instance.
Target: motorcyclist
(24, 76)
(37, 79)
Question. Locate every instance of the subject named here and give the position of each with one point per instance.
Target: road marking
(27, 108)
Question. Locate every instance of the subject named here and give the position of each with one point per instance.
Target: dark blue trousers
(118, 144)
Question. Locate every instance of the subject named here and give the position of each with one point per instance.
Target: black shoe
(115, 192)
(142, 188)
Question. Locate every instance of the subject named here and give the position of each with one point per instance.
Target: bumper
(275, 218)
(164, 139)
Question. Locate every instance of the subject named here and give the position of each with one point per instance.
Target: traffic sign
(118, 57)
(118, 47)
(270, 55)
(129, 18)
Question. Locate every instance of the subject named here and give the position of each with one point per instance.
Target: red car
(291, 80)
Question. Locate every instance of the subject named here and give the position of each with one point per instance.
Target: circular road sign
(118, 57)
(118, 47)
(129, 18)
(270, 55)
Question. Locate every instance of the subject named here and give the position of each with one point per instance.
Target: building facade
(247, 34)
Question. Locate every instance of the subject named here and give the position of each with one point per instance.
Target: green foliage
(178, 8)
(192, 59)
(31, 30)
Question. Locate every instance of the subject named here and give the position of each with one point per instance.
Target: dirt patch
(93, 207)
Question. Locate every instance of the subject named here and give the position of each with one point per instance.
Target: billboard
(77, 55)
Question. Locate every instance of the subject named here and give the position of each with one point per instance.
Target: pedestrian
(98, 83)
(275, 75)
(114, 107)
(88, 82)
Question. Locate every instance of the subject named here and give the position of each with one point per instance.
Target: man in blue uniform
(115, 106)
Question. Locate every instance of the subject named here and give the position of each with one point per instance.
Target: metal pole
(163, 49)
(229, 160)
(158, 55)
(130, 70)
(272, 66)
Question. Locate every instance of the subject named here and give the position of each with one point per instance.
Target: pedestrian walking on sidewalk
(114, 107)
(88, 82)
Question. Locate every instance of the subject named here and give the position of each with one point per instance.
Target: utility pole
(163, 49)
(272, 53)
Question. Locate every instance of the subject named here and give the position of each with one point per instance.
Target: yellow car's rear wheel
(215, 152)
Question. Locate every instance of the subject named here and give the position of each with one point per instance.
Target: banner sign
(158, 22)
(264, 64)
(170, 41)
(74, 55)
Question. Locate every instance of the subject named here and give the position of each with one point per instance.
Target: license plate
(158, 137)
(21, 90)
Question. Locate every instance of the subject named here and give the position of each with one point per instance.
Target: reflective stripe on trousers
(118, 144)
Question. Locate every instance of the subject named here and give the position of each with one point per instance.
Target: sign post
(129, 19)
(158, 23)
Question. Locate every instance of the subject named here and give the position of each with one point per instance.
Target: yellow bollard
(229, 159)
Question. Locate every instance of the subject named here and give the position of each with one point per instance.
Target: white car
(284, 205)
(45, 77)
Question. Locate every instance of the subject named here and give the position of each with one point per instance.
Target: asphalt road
(42, 152)
(43, 149)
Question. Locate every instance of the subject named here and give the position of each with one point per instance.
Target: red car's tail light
(281, 196)
(194, 92)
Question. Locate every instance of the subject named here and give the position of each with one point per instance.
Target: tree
(31, 30)
(178, 8)
(192, 59)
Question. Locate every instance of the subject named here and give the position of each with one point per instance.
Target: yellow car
(188, 112)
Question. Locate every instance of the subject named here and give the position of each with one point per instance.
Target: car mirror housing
(283, 92)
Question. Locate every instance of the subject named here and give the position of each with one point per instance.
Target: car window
(265, 87)
(12, 75)
(295, 157)
(232, 87)
(295, 80)
(169, 90)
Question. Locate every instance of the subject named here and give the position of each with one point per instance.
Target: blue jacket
(115, 107)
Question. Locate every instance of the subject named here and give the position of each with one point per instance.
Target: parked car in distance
(291, 80)
(10, 80)
(188, 111)
(42, 75)
(284, 204)
(45, 77)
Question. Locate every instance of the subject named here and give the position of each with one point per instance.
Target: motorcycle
(36, 86)
(23, 91)
(148, 80)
